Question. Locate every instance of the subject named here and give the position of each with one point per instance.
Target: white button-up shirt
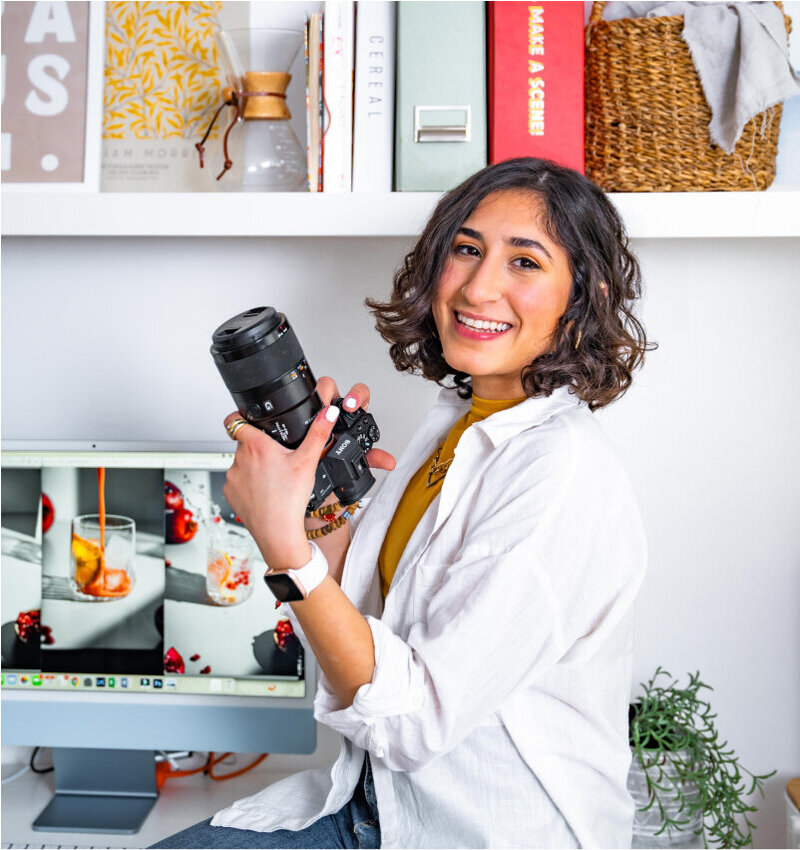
(497, 712)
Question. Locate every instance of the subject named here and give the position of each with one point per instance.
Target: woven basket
(647, 117)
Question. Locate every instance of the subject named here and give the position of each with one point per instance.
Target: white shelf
(403, 214)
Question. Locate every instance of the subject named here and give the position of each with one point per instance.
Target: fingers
(232, 417)
(240, 430)
(318, 434)
(358, 396)
(327, 389)
(379, 459)
(234, 424)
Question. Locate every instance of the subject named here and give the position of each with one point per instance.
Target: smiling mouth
(482, 326)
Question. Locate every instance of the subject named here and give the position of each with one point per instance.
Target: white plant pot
(647, 824)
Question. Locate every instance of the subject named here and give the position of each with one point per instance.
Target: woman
(474, 630)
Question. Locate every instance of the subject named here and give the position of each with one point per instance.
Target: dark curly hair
(598, 340)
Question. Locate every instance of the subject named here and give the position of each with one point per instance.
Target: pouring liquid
(92, 574)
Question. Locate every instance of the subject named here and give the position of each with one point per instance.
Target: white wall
(143, 370)
(108, 339)
(710, 438)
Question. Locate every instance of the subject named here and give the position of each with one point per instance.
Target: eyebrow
(515, 241)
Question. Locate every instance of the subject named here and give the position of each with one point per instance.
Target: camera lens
(265, 370)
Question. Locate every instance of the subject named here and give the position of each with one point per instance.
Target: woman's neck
(494, 388)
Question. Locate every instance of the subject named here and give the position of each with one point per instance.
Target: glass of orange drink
(102, 555)
(229, 571)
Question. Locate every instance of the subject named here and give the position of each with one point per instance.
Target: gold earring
(578, 338)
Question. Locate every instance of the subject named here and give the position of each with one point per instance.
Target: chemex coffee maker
(259, 151)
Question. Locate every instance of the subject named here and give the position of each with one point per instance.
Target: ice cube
(119, 552)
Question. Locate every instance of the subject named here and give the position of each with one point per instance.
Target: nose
(484, 284)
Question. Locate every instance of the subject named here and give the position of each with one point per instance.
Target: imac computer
(135, 619)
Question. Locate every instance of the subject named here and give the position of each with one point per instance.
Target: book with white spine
(338, 93)
(373, 130)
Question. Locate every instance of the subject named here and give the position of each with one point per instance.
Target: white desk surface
(182, 802)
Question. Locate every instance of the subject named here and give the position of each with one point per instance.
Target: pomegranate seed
(173, 662)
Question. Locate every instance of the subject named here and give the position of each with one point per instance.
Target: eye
(525, 263)
(466, 250)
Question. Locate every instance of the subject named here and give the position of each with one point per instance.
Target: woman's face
(504, 287)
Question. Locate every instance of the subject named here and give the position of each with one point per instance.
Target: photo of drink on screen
(219, 617)
(21, 593)
(103, 570)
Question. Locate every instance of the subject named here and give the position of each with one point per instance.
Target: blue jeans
(355, 825)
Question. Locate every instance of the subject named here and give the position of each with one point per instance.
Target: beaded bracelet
(316, 533)
(325, 510)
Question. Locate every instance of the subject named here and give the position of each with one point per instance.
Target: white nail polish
(332, 413)
(350, 403)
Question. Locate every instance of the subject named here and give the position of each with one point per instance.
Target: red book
(536, 81)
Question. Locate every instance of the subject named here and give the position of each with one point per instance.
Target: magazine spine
(338, 94)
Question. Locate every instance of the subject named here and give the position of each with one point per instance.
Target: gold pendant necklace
(438, 469)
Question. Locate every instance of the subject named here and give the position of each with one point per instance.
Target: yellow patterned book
(162, 83)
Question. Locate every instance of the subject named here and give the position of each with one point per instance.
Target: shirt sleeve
(533, 574)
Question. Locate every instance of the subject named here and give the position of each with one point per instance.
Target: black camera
(265, 370)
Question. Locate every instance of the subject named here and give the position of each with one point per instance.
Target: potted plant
(688, 785)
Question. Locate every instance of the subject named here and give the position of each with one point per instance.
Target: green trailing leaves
(672, 734)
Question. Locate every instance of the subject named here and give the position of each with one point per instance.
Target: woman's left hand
(268, 486)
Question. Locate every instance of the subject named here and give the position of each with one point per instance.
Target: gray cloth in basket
(740, 53)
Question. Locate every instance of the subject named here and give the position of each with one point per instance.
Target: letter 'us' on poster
(45, 74)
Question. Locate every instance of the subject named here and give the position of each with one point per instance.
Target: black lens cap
(246, 328)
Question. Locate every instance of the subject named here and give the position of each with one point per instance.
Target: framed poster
(52, 95)
(163, 83)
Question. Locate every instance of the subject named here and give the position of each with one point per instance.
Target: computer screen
(134, 614)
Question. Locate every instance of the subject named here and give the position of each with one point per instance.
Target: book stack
(443, 88)
(350, 96)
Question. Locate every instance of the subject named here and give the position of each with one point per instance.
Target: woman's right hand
(335, 545)
(357, 396)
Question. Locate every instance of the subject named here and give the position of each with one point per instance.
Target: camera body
(264, 368)
(343, 469)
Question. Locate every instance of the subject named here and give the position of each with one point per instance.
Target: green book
(440, 119)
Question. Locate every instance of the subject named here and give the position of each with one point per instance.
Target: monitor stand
(100, 791)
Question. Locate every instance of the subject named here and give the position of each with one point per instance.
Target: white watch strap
(313, 573)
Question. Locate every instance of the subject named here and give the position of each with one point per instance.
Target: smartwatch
(295, 585)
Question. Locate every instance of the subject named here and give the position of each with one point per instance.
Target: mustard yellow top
(419, 494)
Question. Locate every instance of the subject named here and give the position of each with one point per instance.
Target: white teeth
(482, 324)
